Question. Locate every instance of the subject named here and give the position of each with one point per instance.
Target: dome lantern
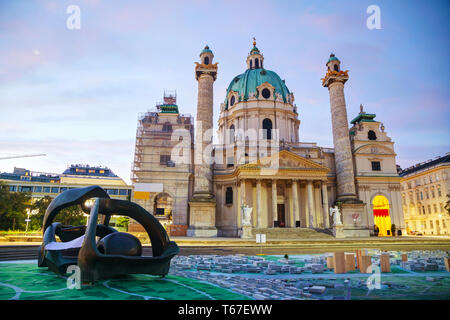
(206, 56)
(255, 58)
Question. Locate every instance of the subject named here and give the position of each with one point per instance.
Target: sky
(75, 94)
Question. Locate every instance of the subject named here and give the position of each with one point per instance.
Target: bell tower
(202, 207)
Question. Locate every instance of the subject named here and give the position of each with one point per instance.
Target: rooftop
(426, 164)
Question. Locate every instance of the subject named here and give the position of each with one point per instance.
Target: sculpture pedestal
(354, 221)
(202, 219)
(246, 232)
(338, 231)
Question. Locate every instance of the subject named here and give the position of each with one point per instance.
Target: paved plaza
(246, 277)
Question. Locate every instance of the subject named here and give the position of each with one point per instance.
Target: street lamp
(27, 219)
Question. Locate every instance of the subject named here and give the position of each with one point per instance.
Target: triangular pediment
(285, 160)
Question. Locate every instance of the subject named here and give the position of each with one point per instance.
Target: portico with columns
(296, 196)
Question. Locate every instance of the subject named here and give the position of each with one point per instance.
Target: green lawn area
(28, 282)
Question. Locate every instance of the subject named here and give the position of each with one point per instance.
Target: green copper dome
(206, 50)
(246, 83)
(332, 58)
(254, 50)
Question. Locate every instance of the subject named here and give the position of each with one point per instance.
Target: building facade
(425, 190)
(261, 163)
(75, 176)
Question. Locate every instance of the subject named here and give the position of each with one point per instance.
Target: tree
(13, 207)
(72, 216)
(122, 222)
(41, 205)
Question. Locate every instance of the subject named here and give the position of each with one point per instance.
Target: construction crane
(23, 156)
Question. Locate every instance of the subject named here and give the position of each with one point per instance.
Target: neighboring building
(75, 176)
(425, 187)
(258, 126)
(161, 186)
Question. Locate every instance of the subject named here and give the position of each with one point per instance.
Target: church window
(251, 64)
(439, 191)
(433, 195)
(256, 63)
(229, 196)
(232, 133)
(232, 100)
(267, 129)
(372, 135)
(265, 93)
(206, 60)
(376, 166)
(336, 67)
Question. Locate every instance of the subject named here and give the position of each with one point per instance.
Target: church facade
(260, 163)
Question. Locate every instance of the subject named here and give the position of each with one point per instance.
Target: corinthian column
(311, 213)
(325, 204)
(274, 203)
(296, 205)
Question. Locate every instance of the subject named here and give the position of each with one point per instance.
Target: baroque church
(260, 167)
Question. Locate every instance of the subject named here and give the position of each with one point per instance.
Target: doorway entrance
(381, 216)
(281, 215)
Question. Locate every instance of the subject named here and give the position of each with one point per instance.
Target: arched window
(256, 63)
(267, 129)
(229, 195)
(232, 100)
(251, 64)
(371, 135)
(206, 60)
(336, 67)
(232, 133)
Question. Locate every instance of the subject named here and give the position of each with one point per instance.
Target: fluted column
(309, 188)
(326, 216)
(296, 204)
(274, 203)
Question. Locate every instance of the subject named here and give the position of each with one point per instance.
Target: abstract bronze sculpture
(115, 253)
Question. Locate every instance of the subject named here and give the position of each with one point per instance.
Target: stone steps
(293, 233)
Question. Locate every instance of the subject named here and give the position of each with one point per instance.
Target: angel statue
(334, 211)
(247, 215)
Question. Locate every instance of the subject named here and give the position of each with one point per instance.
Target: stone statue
(334, 211)
(247, 216)
(382, 127)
